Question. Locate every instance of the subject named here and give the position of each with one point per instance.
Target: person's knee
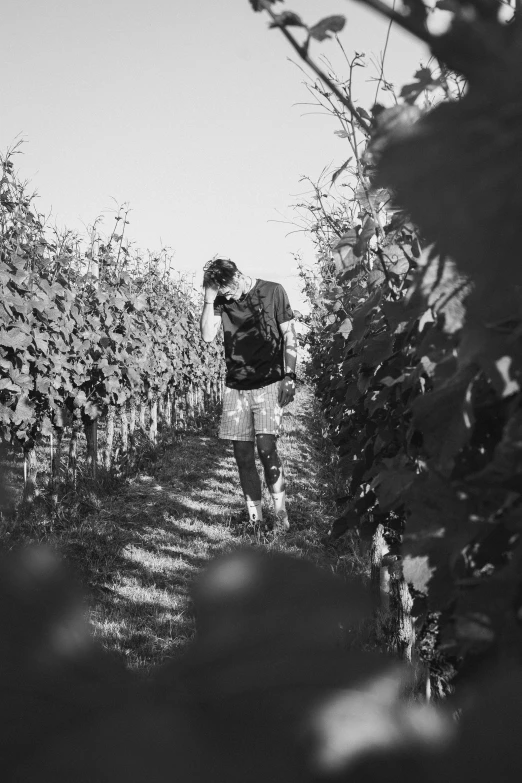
(267, 449)
(244, 453)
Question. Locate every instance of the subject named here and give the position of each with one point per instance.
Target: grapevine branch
(409, 24)
(381, 74)
(302, 51)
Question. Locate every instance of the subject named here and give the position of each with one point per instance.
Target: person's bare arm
(287, 390)
(209, 323)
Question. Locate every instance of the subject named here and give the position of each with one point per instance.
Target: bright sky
(186, 110)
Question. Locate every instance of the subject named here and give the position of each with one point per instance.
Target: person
(260, 353)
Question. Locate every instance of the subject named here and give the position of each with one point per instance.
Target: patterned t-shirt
(254, 345)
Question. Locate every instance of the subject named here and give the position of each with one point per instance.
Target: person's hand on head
(210, 294)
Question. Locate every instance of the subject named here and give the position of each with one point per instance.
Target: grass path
(142, 548)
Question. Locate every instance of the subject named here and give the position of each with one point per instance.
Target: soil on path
(151, 536)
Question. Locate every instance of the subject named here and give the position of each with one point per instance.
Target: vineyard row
(90, 334)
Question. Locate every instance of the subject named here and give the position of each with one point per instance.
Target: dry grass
(138, 542)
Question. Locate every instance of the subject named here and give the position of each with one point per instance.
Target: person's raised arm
(209, 322)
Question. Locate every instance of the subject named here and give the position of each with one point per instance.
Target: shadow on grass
(138, 542)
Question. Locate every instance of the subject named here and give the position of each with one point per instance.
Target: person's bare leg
(244, 452)
(274, 475)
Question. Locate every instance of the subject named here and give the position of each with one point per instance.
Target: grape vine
(84, 332)
(415, 330)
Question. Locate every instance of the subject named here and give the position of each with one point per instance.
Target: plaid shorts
(250, 412)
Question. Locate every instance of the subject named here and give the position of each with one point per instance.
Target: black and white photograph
(261, 391)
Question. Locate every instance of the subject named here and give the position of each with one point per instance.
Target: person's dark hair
(219, 272)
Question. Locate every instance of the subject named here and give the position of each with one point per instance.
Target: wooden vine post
(30, 474)
(132, 424)
(377, 552)
(153, 419)
(55, 438)
(177, 410)
(167, 408)
(391, 595)
(142, 414)
(91, 435)
(161, 411)
(72, 461)
(51, 468)
(201, 398)
(174, 418)
(188, 404)
(109, 437)
(124, 429)
(182, 409)
(197, 400)
(401, 605)
(216, 391)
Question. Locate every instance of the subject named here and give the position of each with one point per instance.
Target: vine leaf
(442, 287)
(425, 81)
(344, 253)
(506, 466)
(495, 353)
(395, 258)
(417, 571)
(24, 410)
(438, 527)
(445, 418)
(351, 247)
(16, 339)
(390, 484)
(366, 233)
(340, 170)
(287, 19)
(377, 349)
(364, 113)
(346, 327)
(504, 378)
(46, 426)
(376, 278)
(362, 313)
(330, 24)
(259, 5)
(434, 507)
(371, 200)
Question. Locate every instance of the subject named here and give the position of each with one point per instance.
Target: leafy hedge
(416, 329)
(82, 330)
